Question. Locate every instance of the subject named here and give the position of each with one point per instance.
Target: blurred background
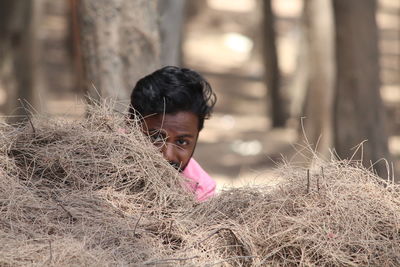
(291, 76)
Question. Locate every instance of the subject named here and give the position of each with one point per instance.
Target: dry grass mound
(73, 193)
(98, 152)
(338, 215)
(87, 193)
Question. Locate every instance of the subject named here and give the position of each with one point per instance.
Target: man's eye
(182, 142)
(157, 138)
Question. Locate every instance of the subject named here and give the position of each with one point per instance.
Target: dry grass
(85, 194)
(341, 216)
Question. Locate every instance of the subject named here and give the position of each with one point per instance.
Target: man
(173, 103)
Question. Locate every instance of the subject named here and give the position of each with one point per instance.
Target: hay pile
(86, 193)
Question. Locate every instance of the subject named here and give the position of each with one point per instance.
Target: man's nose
(169, 153)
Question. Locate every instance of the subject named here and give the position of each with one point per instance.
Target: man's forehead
(180, 121)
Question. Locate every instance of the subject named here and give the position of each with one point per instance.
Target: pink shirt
(201, 183)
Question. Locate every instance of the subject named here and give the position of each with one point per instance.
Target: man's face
(176, 134)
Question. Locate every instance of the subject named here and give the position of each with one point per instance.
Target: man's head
(173, 104)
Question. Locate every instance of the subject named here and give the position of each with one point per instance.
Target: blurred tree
(272, 73)
(172, 14)
(298, 84)
(319, 30)
(193, 8)
(358, 109)
(120, 44)
(19, 54)
(75, 46)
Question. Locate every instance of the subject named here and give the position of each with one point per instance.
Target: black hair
(171, 90)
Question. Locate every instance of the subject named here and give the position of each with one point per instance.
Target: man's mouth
(176, 165)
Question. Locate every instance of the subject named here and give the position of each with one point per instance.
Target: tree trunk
(358, 108)
(75, 47)
(19, 50)
(120, 44)
(171, 28)
(298, 85)
(318, 15)
(272, 73)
